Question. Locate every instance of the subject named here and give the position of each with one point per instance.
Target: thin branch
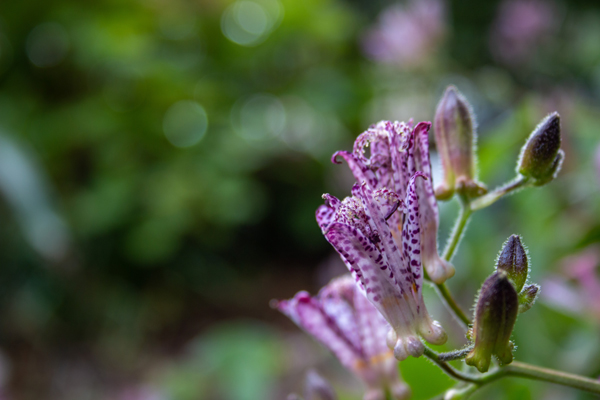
(459, 227)
(517, 369)
(490, 198)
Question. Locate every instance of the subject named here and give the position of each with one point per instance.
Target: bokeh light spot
(251, 17)
(185, 123)
(249, 23)
(260, 117)
(47, 44)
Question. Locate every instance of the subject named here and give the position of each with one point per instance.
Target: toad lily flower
(386, 262)
(398, 151)
(343, 320)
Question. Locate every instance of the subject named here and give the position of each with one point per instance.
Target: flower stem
(498, 193)
(523, 370)
(445, 294)
(457, 232)
(448, 369)
(518, 369)
(459, 227)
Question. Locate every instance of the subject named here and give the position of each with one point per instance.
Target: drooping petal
(347, 323)
(310, 315)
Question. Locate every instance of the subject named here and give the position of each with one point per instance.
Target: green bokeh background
(131, 268)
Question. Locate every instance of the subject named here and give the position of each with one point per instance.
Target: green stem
(490, 198)
(457, 232)
(520, 370)
(456, 354)
(450, 370)
(445, 294)
(459, 227)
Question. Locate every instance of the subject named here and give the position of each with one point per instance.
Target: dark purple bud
(541, 157)
(513, 260)
(527, 297)
(455, 134)
(495, 316)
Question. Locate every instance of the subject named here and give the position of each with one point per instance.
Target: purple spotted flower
(343, 320)
(398, 151)
(382, 249)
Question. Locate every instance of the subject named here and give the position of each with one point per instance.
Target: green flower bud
(455, 134)
(527, 297)
(495, 316)
(513, 260)
(541, 157)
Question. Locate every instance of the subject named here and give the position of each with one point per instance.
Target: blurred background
(161, 161)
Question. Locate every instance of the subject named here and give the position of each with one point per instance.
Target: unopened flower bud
(495, 317)
(513, 261)
(317, 388)
(541, 157)
(455, 134)
(527, 297)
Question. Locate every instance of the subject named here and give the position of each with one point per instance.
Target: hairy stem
(518, 369)
(498, 193)
(448, 369)
(523, 370)
(456, 354)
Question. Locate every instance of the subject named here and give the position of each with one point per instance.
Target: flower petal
(360, 170)
(363, 259)
(438, 269)
(310, 315)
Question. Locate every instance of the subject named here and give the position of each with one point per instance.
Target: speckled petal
(310, 315)
(438, 269)
(367, 264)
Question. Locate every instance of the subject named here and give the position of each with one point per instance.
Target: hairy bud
(513, 261)
(455, 134)
(541, 157)
(495, 316)
(527, 297)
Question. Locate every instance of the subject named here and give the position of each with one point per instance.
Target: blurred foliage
(177, 153)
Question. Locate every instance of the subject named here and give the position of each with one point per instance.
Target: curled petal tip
(423, 126)
(334, 159)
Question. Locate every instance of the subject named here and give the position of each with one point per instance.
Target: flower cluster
(385, 249)
(386, 234)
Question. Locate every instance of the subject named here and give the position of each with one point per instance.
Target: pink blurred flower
(577, 288)
(406, 35)
(343, 320)
(520, 27)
